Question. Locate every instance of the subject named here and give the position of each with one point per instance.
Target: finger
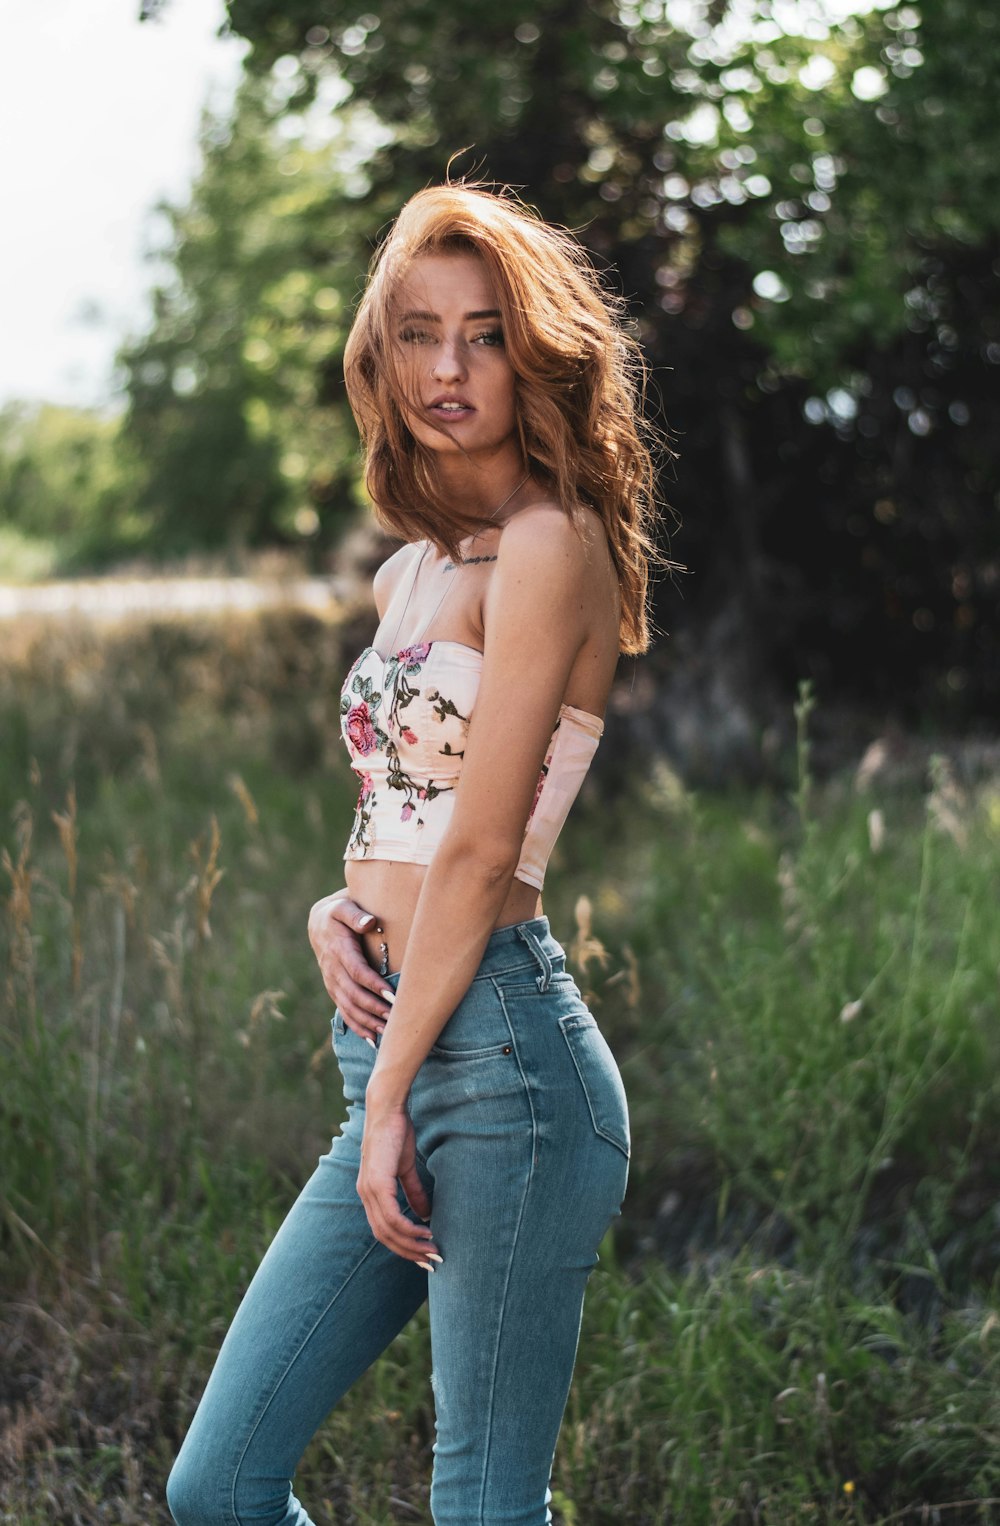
(369, 1029)
(370, 998)
(359, 1012)
(407, 1247)
(339, 939)
(389, 1224)
(371, 990)
(351, 914)
(413, 1189)
(360, 998)
(360, 1022)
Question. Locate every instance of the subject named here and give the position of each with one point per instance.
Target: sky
(99, 117)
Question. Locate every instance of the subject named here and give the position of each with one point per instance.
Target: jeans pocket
(478, 1028)
(599, 1077)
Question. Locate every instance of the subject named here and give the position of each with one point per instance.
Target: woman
(486, 1147)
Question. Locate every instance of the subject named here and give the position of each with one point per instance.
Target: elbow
(481, 861)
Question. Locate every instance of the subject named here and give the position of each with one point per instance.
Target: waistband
(528, 945)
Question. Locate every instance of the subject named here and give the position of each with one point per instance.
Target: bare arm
(536, 624)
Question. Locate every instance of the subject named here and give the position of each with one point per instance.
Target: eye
(490, 337)
(415, 336)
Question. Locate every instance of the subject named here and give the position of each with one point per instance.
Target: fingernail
(364, 921)
(427, 1266)
(390, 996)
(432, 1257)
(371, 1042)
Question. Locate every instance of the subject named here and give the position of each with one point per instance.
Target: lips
(449, 407)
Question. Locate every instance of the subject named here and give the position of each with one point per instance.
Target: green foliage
(783, 1327)
(845, 153)
(67, 489)
(880, 178)
(815, 995)
(232, 392)
(800, 207)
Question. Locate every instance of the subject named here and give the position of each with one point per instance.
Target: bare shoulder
(546, 543)
(566, 573)
(389, 573)
(543, 539)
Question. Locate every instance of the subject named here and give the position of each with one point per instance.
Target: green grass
(797, 1318)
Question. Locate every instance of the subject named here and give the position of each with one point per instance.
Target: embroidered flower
(359, 728)
(373, 703)
(363, 832)
(544, 769)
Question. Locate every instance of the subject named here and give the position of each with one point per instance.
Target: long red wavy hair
(580, 384)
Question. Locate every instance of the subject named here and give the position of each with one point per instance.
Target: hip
(522, 1051)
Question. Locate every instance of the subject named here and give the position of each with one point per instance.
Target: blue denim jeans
(523, 1142)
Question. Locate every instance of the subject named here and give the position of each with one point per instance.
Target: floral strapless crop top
(404, 720)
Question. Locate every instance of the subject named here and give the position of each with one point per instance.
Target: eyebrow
(486, 312)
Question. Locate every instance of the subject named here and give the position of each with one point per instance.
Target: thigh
(524, 1120)
(326, 1299)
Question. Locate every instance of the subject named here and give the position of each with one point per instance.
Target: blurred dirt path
(123, 598)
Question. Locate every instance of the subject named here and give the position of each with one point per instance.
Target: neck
(482, 485)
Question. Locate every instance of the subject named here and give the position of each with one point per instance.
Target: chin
(444, 445)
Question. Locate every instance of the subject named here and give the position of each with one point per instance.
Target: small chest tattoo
(467, 561)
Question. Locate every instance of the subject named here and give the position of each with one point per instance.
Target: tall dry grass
(797, 1319)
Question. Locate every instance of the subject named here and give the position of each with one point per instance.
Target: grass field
(798, 1318)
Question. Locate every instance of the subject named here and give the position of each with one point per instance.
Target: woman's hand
(335, 923)
(388, 1155)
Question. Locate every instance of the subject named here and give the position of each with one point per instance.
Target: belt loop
(544, 962)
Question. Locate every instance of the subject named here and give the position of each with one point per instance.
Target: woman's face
(450, 349)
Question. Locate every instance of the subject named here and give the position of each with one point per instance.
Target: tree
(66, 488)
(804, 218)
(230, 407)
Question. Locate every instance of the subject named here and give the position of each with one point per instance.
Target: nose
(449, 360)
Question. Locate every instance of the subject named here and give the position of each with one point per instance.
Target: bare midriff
(390, 890)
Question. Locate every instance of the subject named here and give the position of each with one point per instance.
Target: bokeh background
(783, 910)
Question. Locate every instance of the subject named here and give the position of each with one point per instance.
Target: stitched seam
(599, 1129)
(510, 1264)
(288, 1367)
(506, 969)
(541, 959)
(457, 1055)
(559, 981)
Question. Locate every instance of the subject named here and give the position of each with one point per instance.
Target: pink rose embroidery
(406, 812)
(408, 735)
(366, 786)
(538, 791)
(414, 654)
(421, 794)
(359, 728)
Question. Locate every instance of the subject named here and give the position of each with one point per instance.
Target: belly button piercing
(383, 968)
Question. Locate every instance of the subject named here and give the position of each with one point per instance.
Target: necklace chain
(451, 565)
